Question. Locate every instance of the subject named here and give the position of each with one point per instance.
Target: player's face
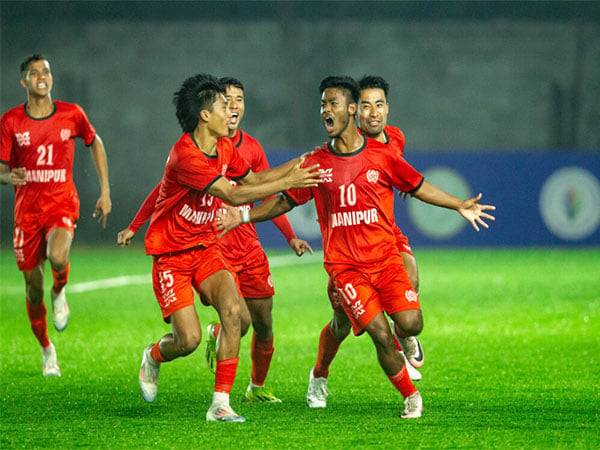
(373, 111)
(219, 117)
(38, 79)
(335, 111)
(235, 100)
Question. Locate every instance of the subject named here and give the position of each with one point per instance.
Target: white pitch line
(134, 280)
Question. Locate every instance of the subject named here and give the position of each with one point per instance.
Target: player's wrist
(245, 215)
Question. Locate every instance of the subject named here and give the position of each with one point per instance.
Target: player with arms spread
(373, 109)
(182, 240)
(37, 148)
(354, 205)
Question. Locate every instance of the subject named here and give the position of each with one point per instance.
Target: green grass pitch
(512, 342)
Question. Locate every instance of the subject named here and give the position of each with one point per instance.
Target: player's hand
(302, 177)
(227, 219)
(300, 246)
(124, 237)
(103, 208)
(473, 212)
(15, 177)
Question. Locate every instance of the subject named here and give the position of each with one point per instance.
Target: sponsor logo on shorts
(23, 138)
(326, 175)
(167, 291)
(357, 309)
(65, 134)
(372, 176)
(411, 295)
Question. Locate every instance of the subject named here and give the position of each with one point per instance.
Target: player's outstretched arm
(274, 173)
(104, 204)
(471, 210)
(15, 177)
(229, 218)
(144, 214)
(298, 177)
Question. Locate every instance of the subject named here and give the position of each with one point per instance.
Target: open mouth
(328, 122)
(42, 85)
(233, 120)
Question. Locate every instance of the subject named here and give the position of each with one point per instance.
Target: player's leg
(262, 349)
(330, 339)
(410, 264)
(220, 291)
(407, 325)
(58, 247)
(36, 312)
(392, 363)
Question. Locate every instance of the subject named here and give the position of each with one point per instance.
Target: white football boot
(316, 396)
(220, 412)
(60, 309)
(413, 351)
(148, 377)
(50, 366)
(413, 406)
(413, 373)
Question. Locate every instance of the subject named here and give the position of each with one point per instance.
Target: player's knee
(412, 325)
(340, 329)
(58, 259)
(188, 342)
(382, 338)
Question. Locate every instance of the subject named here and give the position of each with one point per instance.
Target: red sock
(60, 278)
(403, 383)
(156, 353)
(37, 318)
(261, 354)
(225, 374)
(328, 348)
(216, 330)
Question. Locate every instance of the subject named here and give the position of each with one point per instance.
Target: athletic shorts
(365, 292)
(30, 237)
(254, 276)
(176, 275)
(402, 242)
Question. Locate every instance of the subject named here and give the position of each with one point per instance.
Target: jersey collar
(354, 153)
(39, 118)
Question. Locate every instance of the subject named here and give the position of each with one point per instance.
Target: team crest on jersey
(65, 134)
(411, 295)
(23, 138)
(326, 175)
(224, 169)
(372, 176)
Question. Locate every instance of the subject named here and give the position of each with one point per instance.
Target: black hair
(348, 84)
(230, 81)
(29, 60)
(197, 93)
(374, 82)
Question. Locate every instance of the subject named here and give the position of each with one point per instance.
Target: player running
(373, 111)
(355, 209)
(181, 237)
(37, 148)
(246, 257)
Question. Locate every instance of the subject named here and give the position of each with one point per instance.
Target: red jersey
(184, 209)
(355, 201)
(244, 239)
(395, 137)
(45, 148)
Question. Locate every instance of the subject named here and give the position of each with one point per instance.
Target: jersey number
(45, 155)
(347, 195)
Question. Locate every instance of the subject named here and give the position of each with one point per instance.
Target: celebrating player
(354, 205)
(36, 156)
(181, 237)
(373, 110)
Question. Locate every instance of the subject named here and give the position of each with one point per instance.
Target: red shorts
(30, 237)
(254, 276)
(402, 242)
(366, 292)
(175, 274)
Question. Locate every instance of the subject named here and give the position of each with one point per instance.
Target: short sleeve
(6, 140)
(237, 168)
(193, 171)
(403, 176)
(259, 160)
(85, 130)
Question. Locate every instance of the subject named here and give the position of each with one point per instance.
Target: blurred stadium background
(498, 97)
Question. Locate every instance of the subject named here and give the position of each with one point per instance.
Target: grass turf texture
(512, 341)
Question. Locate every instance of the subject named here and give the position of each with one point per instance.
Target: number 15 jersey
(355, 201)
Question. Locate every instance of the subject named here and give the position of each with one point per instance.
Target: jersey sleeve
(85, 130)
(299, 196)
(403, 176)
(6, 141)
(237, 168)
(259, 160)
(193, 172)
(145, 212)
